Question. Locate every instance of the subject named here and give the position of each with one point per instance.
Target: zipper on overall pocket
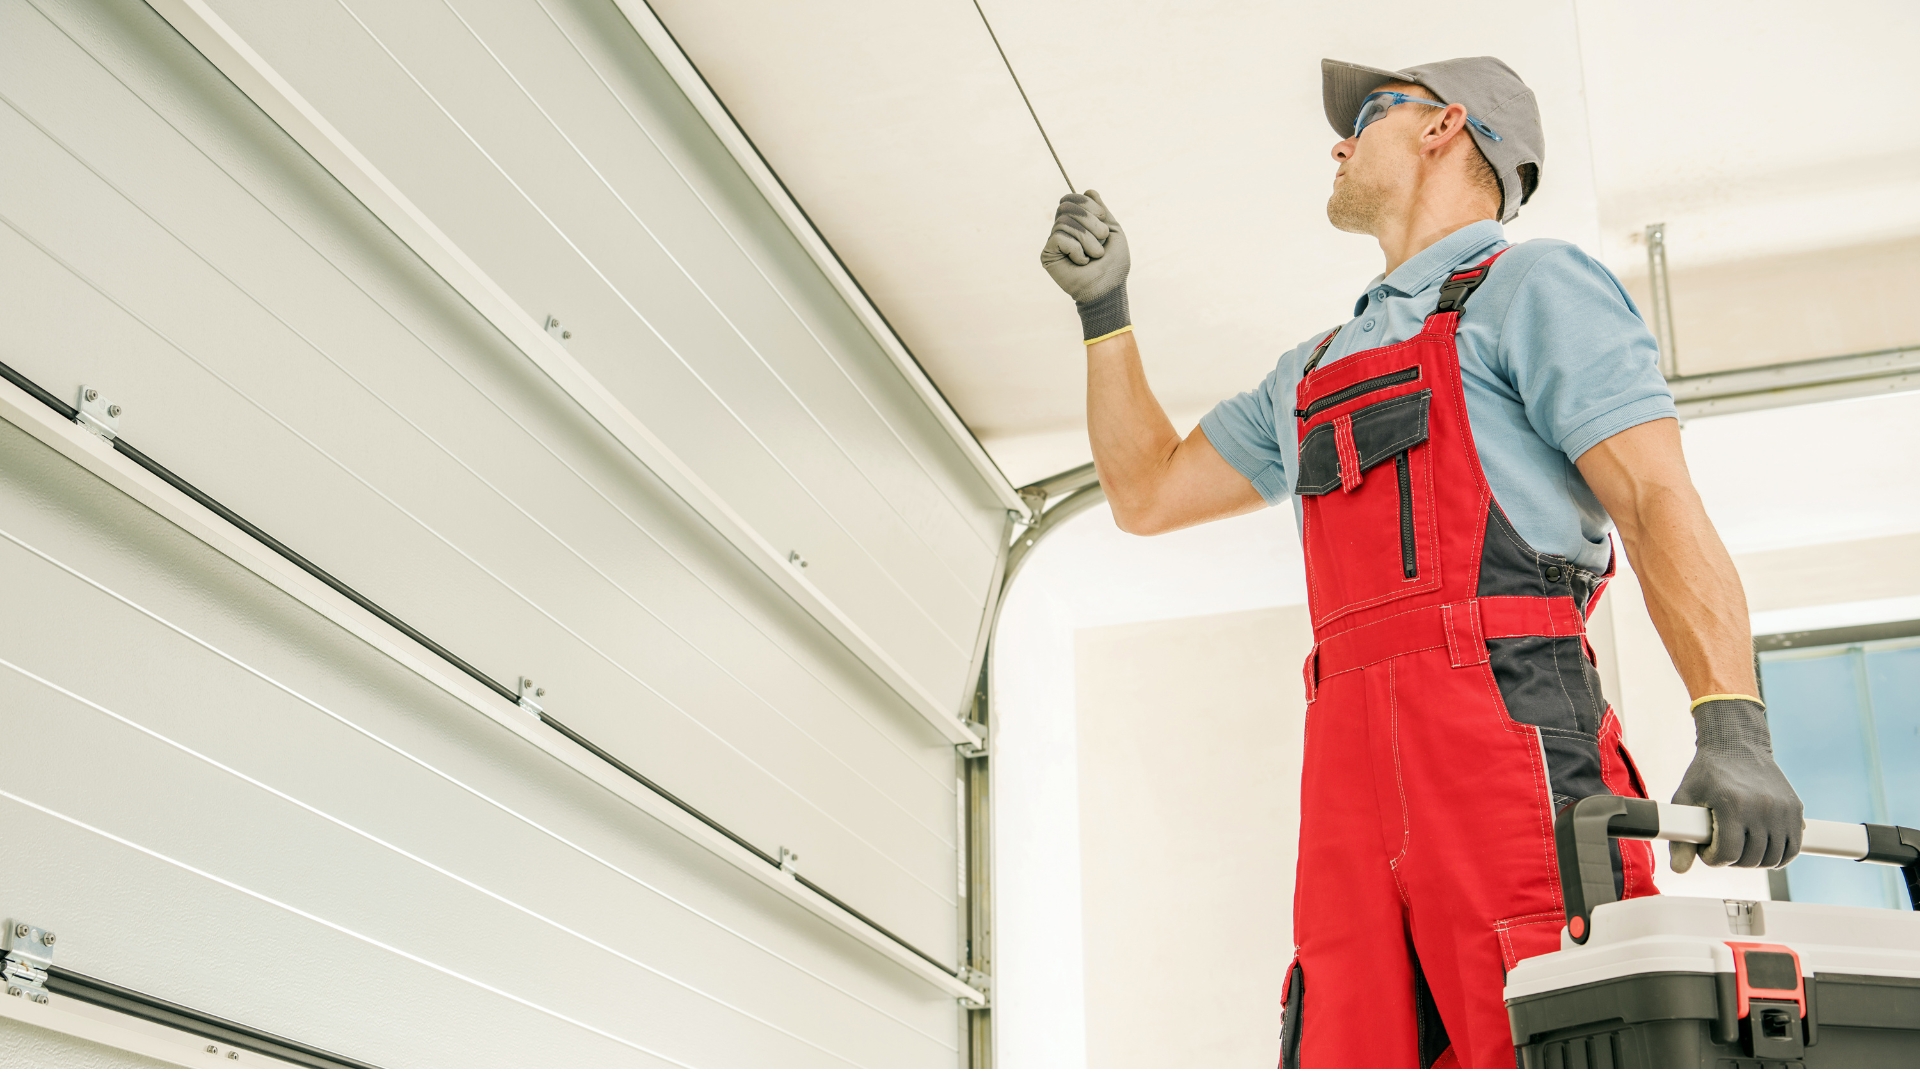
(1409, 559)
(1364, 386)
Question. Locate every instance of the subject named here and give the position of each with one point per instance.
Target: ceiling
(1761, 133)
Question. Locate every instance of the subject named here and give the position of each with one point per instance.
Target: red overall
(1453, 707)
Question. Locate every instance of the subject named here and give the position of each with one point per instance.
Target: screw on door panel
(559, 332)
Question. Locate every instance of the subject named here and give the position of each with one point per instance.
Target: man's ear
(1444, 126)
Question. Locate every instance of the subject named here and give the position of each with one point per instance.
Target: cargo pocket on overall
(1367, 476)
(1293, 996)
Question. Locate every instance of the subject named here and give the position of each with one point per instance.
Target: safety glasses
(1377, 103)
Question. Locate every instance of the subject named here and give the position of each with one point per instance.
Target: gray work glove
(1757, 819)
(1087, 256)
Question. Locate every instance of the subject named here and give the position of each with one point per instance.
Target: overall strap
(1462, 283)
(1319, 352)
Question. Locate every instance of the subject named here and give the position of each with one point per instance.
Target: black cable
(1023, 95)
(70, 413)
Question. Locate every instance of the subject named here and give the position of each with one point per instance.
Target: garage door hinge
(980, 981)
(29, 954)
(97, 414)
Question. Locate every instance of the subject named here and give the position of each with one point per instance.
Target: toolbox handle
(1582, 828)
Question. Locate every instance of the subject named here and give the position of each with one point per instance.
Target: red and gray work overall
(1453, 708)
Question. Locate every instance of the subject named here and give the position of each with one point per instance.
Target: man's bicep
(1203, 486)
(1627, 468)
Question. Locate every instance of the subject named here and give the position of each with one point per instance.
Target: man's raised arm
(1155, 480)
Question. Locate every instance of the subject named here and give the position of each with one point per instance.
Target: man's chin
(1342, 215)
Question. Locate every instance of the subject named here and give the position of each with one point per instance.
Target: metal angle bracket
(530, 695)
(98, 414)
(29, 955)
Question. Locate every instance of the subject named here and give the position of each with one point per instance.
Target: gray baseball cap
(1488, 88)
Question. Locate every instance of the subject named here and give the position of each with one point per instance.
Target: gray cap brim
(1344, 86)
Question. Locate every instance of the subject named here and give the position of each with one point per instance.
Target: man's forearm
(1133, 441)
(1694, 595)
(1693, 591)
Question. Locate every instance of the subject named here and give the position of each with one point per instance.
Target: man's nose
(1343, 149)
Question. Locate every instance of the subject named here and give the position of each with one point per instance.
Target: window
(1845, 712)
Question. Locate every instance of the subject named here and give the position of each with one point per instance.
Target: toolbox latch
(1770, 999)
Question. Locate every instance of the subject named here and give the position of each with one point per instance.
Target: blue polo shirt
(1554, 358)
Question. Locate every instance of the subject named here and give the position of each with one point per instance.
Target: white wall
(1190, 741)
(1087, 574)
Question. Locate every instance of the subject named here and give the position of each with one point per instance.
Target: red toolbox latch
(1770, 1000)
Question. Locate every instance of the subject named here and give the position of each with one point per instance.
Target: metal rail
(1800, 382)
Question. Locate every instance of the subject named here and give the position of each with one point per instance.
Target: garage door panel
(419, 907)
(685, 695)
(613, 53)
(492, 1030)
(401, 485)
(275, 345)
(901, 842)
(535, 44)
(515, 107)
(543, 269)
(305, 748)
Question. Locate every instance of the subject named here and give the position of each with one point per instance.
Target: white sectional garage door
(219, 796)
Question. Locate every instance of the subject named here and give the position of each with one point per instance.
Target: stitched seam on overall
(1346, 453)
(1409, 651)
(1506, 941)
(1309, 511)
(1399, 778)
(1543, 790)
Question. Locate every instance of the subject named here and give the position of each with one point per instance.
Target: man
(1455, 453)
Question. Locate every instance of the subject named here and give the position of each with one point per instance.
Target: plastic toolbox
(1692, 982)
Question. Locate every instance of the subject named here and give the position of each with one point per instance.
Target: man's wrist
(1105, 316)
(1731, 723)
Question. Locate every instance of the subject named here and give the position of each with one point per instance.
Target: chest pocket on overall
(1366, 487)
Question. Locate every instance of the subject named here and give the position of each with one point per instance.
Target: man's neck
(1419, 231)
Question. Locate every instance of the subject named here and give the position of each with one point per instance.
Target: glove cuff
(1105, 316)
(1731, 724)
